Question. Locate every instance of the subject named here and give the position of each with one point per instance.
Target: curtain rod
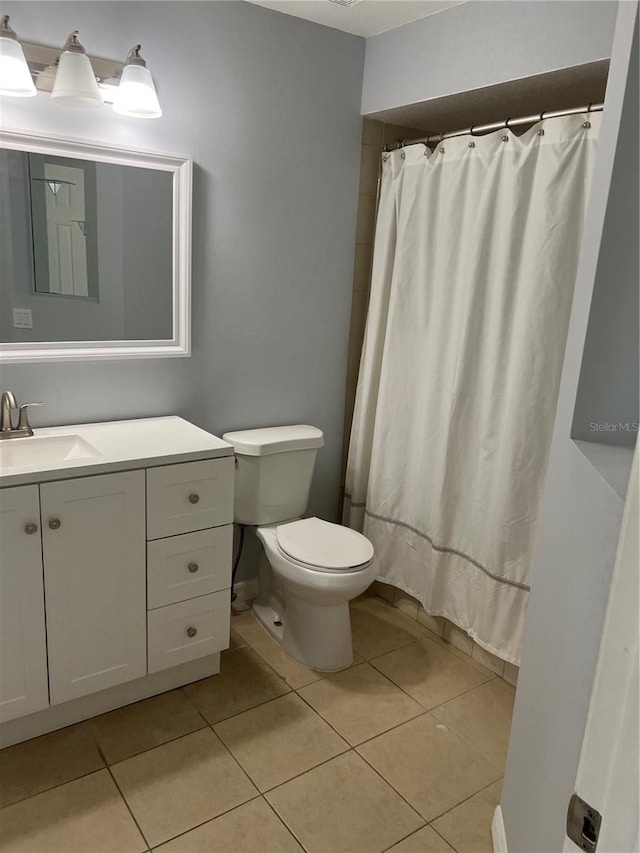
(476, 129)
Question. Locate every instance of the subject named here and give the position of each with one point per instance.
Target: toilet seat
(323, 546)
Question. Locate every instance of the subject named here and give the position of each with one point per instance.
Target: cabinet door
(94, 573)
(23, 648)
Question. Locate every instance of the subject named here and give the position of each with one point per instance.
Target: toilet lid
(323, 544)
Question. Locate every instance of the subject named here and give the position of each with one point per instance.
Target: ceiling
(365, 18)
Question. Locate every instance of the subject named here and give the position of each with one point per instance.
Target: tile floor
(404, 751)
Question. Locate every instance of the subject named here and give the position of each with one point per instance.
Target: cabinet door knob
(193, 568)
(30, 528)
(191, 632)
(194, 498)
(54, 523)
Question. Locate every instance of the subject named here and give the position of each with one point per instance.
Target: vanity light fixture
(73, 79)
(15, 77)
(75, 82)
(136, 94)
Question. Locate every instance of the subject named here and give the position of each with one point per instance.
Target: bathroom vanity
(115, 567)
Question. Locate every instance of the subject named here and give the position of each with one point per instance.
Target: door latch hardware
(583, 824)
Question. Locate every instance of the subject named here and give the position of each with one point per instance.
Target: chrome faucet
(7, 405)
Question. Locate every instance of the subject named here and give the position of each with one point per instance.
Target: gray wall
(268, 106)
(580, 519)
(480, 44)
(609, 380)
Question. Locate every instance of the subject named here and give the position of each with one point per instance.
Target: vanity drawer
(189, 496)
(186, 566)
(188, 630)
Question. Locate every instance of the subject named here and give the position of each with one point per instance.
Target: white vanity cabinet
(95, 579)
(115, 569)
(23, 645)
(190, 532)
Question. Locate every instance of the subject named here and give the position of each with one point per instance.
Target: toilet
(311, 568)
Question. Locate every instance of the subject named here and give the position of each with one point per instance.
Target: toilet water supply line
(236, 562)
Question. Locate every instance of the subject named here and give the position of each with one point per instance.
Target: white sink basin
(42, 451)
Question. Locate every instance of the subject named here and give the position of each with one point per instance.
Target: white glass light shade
(136, 94)
(75, 83)
(15, 77)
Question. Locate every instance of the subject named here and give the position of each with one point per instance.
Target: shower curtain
(475, 258)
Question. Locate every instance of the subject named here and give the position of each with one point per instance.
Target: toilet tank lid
(260, 442)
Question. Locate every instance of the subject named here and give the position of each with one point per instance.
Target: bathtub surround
(262, 101)
(475, 256)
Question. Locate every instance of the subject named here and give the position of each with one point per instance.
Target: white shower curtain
(475, 259)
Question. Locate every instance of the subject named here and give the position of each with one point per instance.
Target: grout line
(393, 788)
(476, 663)
(208, 820)
(457, 696)
(465, 800)
(128, 807)
(284, 823)
(354, 746)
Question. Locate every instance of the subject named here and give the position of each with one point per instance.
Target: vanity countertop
(105, 447)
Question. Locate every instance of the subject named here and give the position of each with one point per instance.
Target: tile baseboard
(447, 631)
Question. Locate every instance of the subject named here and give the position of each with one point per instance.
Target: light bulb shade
(15, 77)
(75, 84)
(136, 94)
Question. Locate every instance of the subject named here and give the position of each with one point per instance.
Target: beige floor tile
(360, 702)
(378, 627)
(175, 787)
(468, 826)
(251, 828)
(429, 765)
(343, 806)
(245, 680)
(235, 640)
(87, 814)
(279, 740)
(428, 673)
(425, 840)
(504, 685)
(483, 718)
(143, 725)
(36, 765)
(294, 673)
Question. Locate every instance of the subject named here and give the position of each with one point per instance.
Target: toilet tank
(274, 467)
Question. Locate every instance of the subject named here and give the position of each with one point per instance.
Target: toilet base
(317, 637)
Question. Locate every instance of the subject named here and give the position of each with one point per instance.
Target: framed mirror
(95, 251)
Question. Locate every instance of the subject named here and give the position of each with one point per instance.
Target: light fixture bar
(40, 57)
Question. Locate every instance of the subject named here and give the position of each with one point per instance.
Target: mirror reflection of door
(66, 223)
(63, 202)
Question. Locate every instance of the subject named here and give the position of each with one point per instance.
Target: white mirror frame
(181, 168)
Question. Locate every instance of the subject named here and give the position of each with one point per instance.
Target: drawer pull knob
(30, 528)
(191, 632)
(194, 498)
(193, 568)
(54, 523)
